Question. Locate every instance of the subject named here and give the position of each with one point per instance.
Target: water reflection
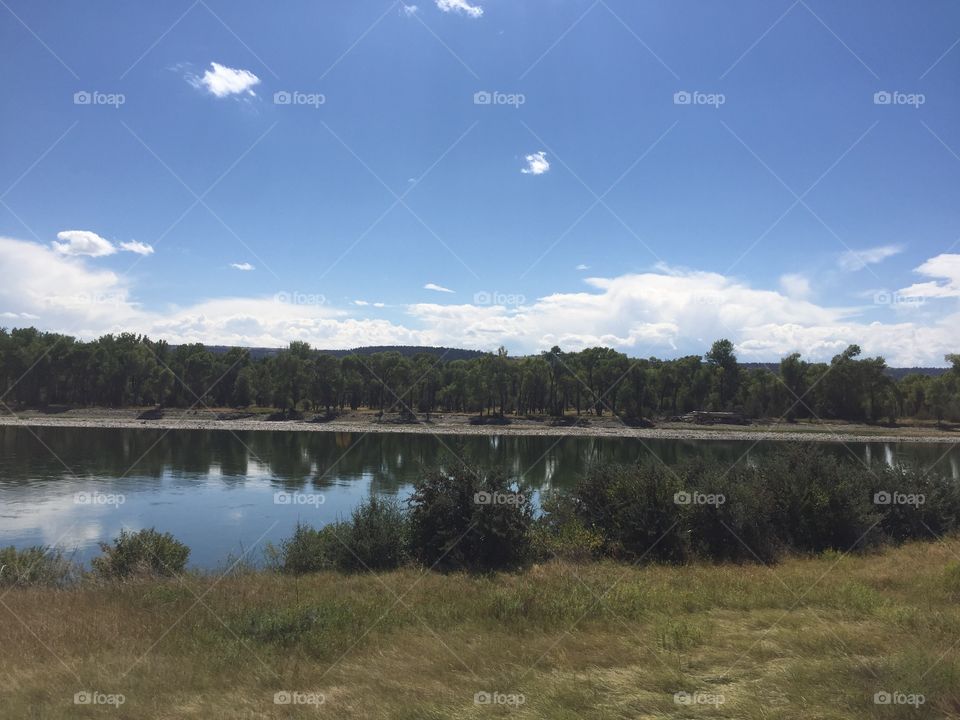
(215, 489)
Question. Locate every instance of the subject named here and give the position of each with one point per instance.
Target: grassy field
(808, 638)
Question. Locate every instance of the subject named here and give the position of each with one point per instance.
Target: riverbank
(460, 424)
(831, 637)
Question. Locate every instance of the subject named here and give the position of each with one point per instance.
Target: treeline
(39, 369)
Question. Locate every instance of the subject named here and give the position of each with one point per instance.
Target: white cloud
(460, 6)
(77, 243)
(245, 266)
(795, 285)
(222, 81)
(537, 164)
(409, 10)
(437, 288)
(581, 266)
(365, 303)
(82, 242)
(665, 312)
(945, 267)
(137, 247)
(858, 259)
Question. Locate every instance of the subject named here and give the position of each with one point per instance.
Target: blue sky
(786, 206)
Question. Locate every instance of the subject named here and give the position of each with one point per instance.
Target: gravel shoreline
(747, 433)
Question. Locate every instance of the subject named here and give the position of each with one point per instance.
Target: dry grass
(810, 638)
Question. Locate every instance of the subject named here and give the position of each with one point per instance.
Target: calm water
(217, 491)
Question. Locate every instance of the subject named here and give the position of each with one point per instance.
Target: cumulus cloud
(82, 242)
(537, 164)
(437, 288)
(460, 6)
(945, 267)
(245, 266)
(858, 259)
(137, 247)
(666, 312)
(795, 285)
(222, 81)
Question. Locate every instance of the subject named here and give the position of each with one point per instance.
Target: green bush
(463, 517)
(559, 533)
(34, 565)
(729, 514)
(310, 550)
(820, 502)
(142, 553)
(376, 538)
(633, 506)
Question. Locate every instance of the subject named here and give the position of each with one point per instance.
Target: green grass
(808, 638)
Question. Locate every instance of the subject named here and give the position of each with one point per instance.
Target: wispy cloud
(537, 164)
(437, 288)
(795, 285)
(581, 266)
(245, 266)
(222, 81)
(137, 247)
(409, 10)
(858, 259)
(460, 6)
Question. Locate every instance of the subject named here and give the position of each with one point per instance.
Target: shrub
(730, 521)
(34, 565)
(914, 503)
(633, 507)
(377, 534)
(463, 517)
(142, 553)
(310, 550)
(559, 533)
(820, 502)
(376, 538)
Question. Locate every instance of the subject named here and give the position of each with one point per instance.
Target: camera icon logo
(82, 97)
(882, 498)
(282, 97)
(882, 97)
(682, 97)
(482, 97)
(483, 498)
(682, 498)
